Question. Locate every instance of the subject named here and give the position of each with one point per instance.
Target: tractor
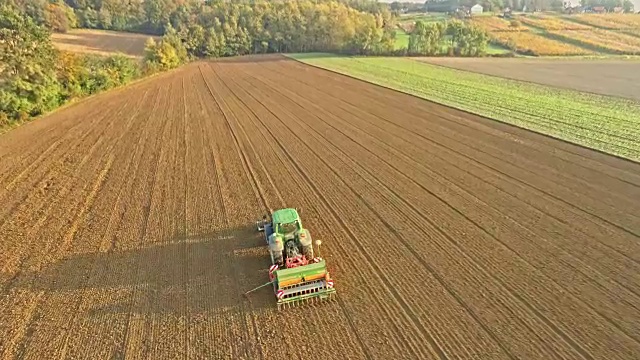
(295, 273)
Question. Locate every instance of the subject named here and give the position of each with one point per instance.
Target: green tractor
(296, 274)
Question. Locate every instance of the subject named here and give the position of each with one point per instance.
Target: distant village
(462, 8)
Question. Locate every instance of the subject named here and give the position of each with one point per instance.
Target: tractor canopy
(284, 220)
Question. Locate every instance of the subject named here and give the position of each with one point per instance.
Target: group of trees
(35, 77)
(452, 38)
(231, 28)
(55, 15)
(218, 29)
(610, 5)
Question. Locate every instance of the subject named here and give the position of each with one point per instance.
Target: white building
(476, 9)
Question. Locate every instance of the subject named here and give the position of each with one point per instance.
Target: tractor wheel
(278, 259)
(307, 251)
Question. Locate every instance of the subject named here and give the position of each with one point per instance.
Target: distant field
(605, 123)
(607, 77)
(545, 35)
(101, 42)
(402, 39)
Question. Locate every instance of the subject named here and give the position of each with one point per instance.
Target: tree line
(35, 77)
(228, 29)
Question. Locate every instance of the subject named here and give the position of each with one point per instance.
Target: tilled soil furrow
(319, 317)
(402, 293)
(129, 226)
(222, 158)
(164, 309)
(19, 155)
(214, 231)
(301, 115)
(374, 184)
(622, 212)
(143, 304)
(55, 239)
(266, 154)
(446, 158)
(392, 159)
(106, 218)
(184, 229)
(51, 186)
(407, 232)
(203, 216)
(605, 165)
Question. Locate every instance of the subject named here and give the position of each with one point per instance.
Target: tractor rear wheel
(307, 251)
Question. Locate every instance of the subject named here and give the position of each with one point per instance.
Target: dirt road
(127, 226)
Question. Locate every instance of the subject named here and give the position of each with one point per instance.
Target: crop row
(552, 23)
(611, 21)
(609, 40)
(495, 24)
(529, 43)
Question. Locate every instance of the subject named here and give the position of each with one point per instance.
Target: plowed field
(127, 226)
(102, 42)
(606, 77)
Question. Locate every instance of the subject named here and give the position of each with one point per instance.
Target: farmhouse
(476, 9)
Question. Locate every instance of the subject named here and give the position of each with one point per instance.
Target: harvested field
(127, 226)
(101, 42)
(618, 78)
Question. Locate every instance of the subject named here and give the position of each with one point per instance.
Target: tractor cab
(286, 221)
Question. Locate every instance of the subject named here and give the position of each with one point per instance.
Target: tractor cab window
(288, 228)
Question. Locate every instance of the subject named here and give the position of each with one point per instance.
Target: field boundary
(75, 101)
(467, 111)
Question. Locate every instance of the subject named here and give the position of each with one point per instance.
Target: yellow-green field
(556, 35)
(101, 42)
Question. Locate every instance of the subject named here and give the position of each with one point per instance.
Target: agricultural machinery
(295, 273)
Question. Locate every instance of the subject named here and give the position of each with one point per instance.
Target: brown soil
(102, 42)
(618, 78)
(127, 226)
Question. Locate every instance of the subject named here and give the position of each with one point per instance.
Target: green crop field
(604, 123)
(402, 39)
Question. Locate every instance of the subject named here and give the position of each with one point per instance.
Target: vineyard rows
(129, 226)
